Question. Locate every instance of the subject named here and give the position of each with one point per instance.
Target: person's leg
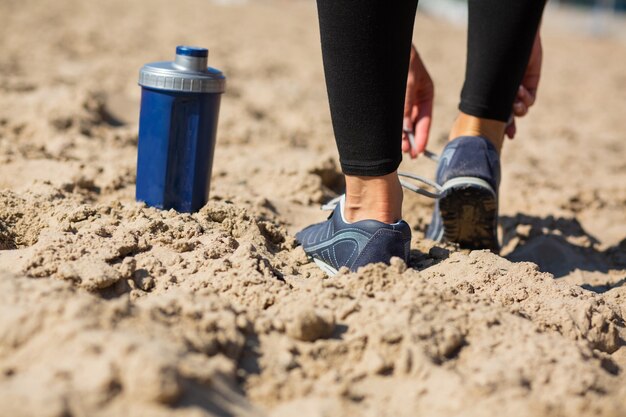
(500, 38)
(366, 46)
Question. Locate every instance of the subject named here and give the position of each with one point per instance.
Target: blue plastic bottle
(180, 104)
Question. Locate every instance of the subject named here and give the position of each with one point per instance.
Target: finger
(525, 96)
(519, 109)
(411, 144)
(405, 143)
(407, 133)
(408, 110)
(511, 129)
(408, 144)
(414, 116)
(422, 127)
(408, 130)
(407, 125)
(531, 84)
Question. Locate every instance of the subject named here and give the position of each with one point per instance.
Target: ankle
(492, 130)
(377, 198)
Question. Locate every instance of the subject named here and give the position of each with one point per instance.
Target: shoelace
(409, 186)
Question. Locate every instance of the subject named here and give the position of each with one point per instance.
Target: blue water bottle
(180, 104)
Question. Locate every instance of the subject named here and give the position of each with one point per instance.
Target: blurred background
(594, 17)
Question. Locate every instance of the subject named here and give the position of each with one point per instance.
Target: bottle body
(180, 102)
(177, 133)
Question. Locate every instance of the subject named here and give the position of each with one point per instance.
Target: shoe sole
(469, 210)
(329, 270)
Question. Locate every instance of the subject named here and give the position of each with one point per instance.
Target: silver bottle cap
(188, 73)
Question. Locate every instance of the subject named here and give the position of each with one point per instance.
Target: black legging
(366, 48)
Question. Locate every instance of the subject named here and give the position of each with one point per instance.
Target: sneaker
(467, 209)
(335, 242)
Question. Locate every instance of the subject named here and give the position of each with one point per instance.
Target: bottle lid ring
(188, 73)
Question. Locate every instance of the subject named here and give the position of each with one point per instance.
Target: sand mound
(110, 308)
(473, 335)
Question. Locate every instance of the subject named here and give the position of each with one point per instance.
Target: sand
(110, 308)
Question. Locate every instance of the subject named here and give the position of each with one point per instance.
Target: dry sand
(109, 308)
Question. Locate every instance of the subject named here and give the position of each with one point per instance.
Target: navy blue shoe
(467, 210)
(335, 242)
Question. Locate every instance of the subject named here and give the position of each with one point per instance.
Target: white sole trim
(455, 182)
(325, 267)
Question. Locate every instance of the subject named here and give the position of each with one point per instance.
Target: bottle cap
(187, 73)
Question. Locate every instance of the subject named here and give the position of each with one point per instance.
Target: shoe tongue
(341, 207)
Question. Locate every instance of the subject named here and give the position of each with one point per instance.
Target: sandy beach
(111, 308)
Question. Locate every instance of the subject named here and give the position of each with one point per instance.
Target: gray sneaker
(335, 242)
(467, 209)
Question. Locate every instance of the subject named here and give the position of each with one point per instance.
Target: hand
(527, 92)
(418, 105)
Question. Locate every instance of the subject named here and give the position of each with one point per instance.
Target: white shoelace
(416, 189)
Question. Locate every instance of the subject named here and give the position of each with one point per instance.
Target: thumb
(408, 110)
(511, 129)
(407, 126)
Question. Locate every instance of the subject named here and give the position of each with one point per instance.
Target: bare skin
(380, 198)
(466, 125)
(418, 105)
